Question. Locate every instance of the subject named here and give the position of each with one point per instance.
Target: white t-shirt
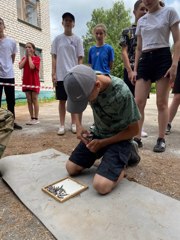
(154, 28)
(67, 50)
(7, 49)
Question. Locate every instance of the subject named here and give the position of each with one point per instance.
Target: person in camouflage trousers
(6, 128)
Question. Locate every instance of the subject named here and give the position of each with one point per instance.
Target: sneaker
(160, 145)
(30, 122)
(134, 158)
(73, 128)
(168, 129)
(144, 134)
(61, 130)
(17, 127)
(35, 121)
(139, 142)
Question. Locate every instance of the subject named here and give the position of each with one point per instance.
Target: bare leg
(73, 169)
(73, 119)
(162, 94)
(142, 90)
(35, 104)
(174, 106)
(104, 185)
(62, 112)
(30, 105)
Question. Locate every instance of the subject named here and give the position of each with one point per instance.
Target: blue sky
(82, 10)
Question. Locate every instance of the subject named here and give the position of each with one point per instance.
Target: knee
(72, 168)
(102, 187)
(140, 103)
(162, 105)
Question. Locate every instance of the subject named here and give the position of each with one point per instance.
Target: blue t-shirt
(101, 57)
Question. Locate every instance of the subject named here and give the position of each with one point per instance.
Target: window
(29, 11)
(38, 52)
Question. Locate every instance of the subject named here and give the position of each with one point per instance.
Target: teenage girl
(101, 55)
(154, 63)
(31, 65)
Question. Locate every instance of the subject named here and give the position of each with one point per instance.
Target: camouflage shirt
(129, 39)
(114, 109)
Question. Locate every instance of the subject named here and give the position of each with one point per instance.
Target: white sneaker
(144, 134)
(73, 128)
(35, 121)
(61, 130)
(30, 122)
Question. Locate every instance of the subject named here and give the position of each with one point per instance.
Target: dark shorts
(114, 158)
(176, 88)
(154, 64)
(60, 91)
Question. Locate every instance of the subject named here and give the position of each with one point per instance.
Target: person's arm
(137, 56)
(13, 57)
(172, 71)
(82, 133)
(54, 80)
(126, 61)
(80, 60)
(31, 64)
(128, 133)
(22, 63)
(111, 65)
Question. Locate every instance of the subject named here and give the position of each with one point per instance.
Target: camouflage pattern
(129, 39)
(6, 128)
(114, 109)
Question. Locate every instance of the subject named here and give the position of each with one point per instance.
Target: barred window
(38, 53)
(29, 11)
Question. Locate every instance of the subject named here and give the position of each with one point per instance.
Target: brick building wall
(23, 32)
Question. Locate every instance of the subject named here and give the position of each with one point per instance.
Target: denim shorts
(154, 64)
(114, 158)
(176, 88)
(60, 91)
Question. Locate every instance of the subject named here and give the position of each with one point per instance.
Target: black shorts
(154, 64)
(176, 88)
(114, 158)
(60, 91)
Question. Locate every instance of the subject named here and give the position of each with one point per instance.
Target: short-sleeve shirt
(114, 109)
(67, 50)
(101, 57)
(31, 76)
(7, 49)
(129, 39)
(154, 28)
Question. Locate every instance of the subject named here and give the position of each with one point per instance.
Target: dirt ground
(158, 171)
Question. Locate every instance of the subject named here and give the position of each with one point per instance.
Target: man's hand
(132, 77)
(54, 80)
(94, 145)
(171, 73)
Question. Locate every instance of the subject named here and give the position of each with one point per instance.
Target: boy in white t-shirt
(67, 51)
(8, 51)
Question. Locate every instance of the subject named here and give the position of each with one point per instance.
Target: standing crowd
(118, 106)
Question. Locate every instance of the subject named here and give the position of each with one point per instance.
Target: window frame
(22, 12)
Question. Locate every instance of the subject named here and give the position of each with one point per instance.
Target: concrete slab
(130, 212)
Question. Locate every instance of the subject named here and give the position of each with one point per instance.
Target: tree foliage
(116, 19)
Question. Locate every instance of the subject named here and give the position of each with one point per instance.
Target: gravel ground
(156, 171)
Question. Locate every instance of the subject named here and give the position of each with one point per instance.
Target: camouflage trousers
(6, 128)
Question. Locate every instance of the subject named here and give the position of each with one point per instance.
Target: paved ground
(157, 171)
